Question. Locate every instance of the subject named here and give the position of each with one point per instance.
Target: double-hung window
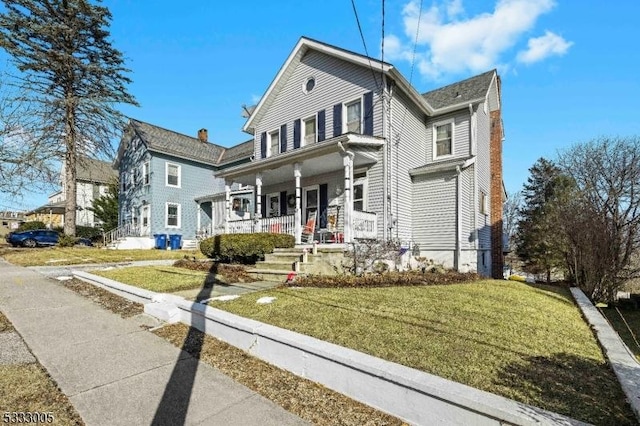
(310, 134)
(354, 117)
(172, 215)
(145, 173)
(443, 139)
(173, 175)
(274, 143)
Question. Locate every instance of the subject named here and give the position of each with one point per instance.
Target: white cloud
(450, 43)
(540, 48)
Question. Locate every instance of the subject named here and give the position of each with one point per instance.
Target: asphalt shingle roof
(174, 143)
(91, 170)
(461, 92)
(191, 148)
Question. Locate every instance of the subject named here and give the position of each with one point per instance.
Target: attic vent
(203, 135)
(458, 95)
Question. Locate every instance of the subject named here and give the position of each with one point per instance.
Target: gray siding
(466, 179)
(129, 201)
(434, 214)
(408, 138)
(337, 81)
(484, 176)
(460, 134)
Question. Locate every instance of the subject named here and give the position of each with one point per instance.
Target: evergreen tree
(71, 76)
(539, 241)
(105, 207)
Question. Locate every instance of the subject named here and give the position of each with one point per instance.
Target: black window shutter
(337, 120)
(263, 206)
(324, 201)
(296, 134)
(321, 125)
(283, 202)
(283, 138)
(263, 145)
(368, 114)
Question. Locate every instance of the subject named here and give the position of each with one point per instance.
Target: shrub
(67, 241)
(196, 265)
(391, 279)
(89, 232)
(244, 248)
(28, 226)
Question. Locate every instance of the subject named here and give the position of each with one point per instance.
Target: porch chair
(309, 229)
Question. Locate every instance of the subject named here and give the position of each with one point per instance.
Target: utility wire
(366, 51)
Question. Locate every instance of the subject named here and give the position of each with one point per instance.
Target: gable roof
(302, 47)
(164, 141)
(92, 170)
(462, 92)
(176, 144)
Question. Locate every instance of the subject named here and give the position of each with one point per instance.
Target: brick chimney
(203, 135)
(496, 190)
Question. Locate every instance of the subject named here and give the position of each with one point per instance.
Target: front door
(144, 221)
(310, 202)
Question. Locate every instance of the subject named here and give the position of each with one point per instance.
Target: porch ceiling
(322, 158)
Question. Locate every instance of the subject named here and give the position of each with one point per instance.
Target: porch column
(227, 206)
(347, 161)
(198, 220)
(297, 173)
(258, 214)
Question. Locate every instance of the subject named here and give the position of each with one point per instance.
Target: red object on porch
(275, 228)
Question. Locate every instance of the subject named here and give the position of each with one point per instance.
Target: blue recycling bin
(161, 241)
(175, 241)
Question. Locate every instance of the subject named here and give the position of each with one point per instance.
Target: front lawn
(51, 256)
(524, 342)
(161, 279)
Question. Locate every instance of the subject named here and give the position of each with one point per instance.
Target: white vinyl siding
(337, 82)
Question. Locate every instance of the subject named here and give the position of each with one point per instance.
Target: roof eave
(411, 91)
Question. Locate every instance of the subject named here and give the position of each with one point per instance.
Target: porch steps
(278, 265)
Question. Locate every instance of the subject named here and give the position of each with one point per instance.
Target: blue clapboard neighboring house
(167, 184)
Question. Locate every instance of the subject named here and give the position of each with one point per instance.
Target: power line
(364, 43)
(415, 43)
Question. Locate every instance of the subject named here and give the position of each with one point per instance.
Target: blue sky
(569, 68)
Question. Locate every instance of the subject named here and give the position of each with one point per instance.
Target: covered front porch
(317, 193)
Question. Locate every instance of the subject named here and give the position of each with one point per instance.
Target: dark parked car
(38, 237)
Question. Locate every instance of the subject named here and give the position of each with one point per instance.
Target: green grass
(632, 318)
(49, 256)
(524, 342)
(164, 279)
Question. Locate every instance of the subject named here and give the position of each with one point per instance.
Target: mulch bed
(109, 301)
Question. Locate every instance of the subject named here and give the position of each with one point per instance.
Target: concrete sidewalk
(113, 371)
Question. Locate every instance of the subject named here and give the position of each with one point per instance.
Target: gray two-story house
(344, 143)
(167, 184)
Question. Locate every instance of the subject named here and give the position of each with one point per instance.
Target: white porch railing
(364, 225)
(126, 230)
(276, 225)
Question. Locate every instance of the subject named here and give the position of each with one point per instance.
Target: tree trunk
(70, 160)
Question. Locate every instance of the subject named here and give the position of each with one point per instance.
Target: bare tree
(71, 76)
(26, 164)
(511, 216)
(602, 220)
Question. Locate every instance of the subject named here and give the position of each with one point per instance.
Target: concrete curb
(411, 395)
(624, 364)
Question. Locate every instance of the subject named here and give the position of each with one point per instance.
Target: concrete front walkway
(113, 371)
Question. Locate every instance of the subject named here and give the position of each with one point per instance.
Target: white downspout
(473, 151)
(385, 178)
(458, 219)
(347, 161)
